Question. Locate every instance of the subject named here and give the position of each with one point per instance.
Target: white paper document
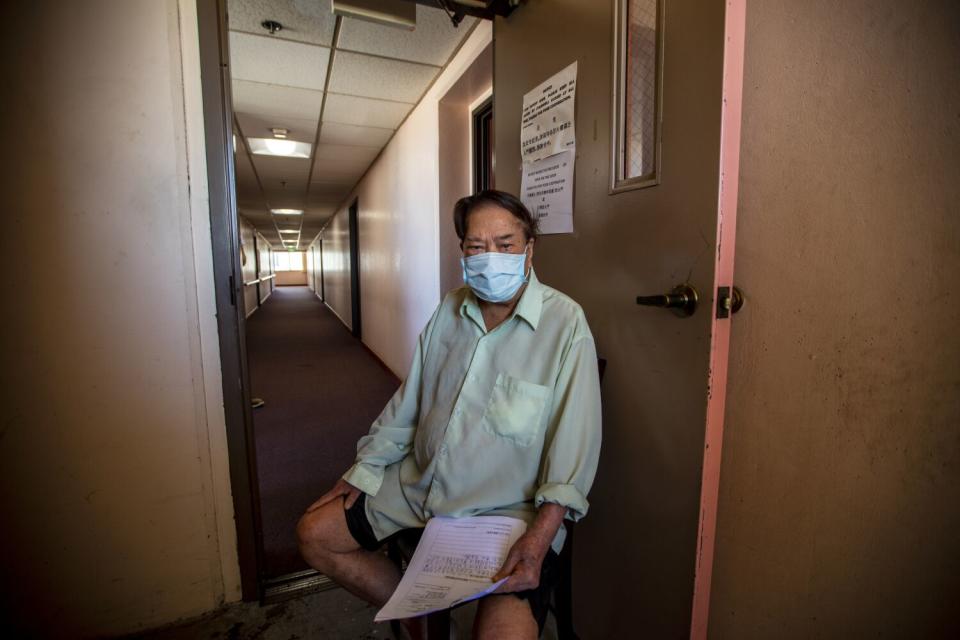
(453, 563)
(547, 120)
(546, 188)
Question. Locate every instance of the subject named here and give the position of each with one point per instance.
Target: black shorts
(538, 598)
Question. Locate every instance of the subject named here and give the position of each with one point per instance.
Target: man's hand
(522, 564)
(342, 488)
(526, 556)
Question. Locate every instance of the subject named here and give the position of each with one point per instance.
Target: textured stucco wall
(840, 483)
(113, 480)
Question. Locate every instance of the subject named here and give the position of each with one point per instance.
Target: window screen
(637, 77)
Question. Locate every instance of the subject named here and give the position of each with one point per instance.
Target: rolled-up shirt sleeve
(391, 435)
(572, 445)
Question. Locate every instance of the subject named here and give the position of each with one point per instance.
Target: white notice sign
(546, 188)
(547, 122)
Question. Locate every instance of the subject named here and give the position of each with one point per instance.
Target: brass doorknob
(682, 300)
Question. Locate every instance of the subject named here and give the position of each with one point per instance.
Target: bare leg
(504, 616)
(328, 547)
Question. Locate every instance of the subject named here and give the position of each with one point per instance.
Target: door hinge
(233, 291)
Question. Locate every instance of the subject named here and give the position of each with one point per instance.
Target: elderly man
(499, 415)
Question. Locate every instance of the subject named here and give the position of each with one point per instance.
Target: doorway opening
(289, 144)
(356, 321)
(482, 125)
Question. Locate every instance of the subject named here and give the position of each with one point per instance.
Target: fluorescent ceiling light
(289, 231)
(277, 147)
(287, 212)
(387, 12)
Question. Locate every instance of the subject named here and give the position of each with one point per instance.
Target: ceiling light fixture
(289, 231)
(279, 132)
(279, 147)
(287, 212)
(386, 12)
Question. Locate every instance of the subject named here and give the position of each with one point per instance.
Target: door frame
(734, 37)
(228, 287)
(353, 223)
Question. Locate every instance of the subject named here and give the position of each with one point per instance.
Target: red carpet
(322, 391)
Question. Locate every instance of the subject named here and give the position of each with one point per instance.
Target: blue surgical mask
(495, 277)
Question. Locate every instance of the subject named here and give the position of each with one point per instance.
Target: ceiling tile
(340, 169)
(276, 102)
(361, 75)
(258, 126)
(303, 20)
(289, 197)
(286, 222)
(273, 168)
(432, 42)
(337, 133)
(346, 153)
(364, 111)
(274, 61)
(324, 191)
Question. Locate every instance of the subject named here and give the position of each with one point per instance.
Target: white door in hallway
(642, 555)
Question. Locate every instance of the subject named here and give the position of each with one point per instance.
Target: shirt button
(456, 411)
(443, 449)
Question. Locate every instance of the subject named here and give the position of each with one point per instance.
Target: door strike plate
(729, 300)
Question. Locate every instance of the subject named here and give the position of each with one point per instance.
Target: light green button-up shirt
(488, 422)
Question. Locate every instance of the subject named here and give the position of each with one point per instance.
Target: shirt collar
(529, 307)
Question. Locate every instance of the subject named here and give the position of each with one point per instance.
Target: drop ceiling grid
(364, 112)
(262, 58)
(276, 101)
(304, 20)
(349, 134)
(432, 42)
(257, 126)
(377, 75)
(358, 74)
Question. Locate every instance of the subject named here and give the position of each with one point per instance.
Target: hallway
(322, 390)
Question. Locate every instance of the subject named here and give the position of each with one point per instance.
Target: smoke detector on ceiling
(272, 26)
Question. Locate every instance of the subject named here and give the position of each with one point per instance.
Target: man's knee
(504, 616)
(324, 531)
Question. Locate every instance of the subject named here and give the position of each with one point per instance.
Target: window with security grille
(638, 87)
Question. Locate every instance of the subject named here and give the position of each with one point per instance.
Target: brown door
(636, 553)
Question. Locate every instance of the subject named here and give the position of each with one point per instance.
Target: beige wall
(399, 209)
(248, 266)
(336, 266)
(287, 278)
(266, 268)
(840, 484)
(113, 484)
(250, 272)
(455, 140)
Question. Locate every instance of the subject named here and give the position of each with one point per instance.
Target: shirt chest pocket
(516, 409)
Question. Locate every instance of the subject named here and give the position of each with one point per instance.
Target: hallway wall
(399, 207)
(336, 266)
(266, 268)
(113, 485)
(455, 123)
(840, 486)
(250, 273)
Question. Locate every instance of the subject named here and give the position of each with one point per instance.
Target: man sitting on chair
(499, 415)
